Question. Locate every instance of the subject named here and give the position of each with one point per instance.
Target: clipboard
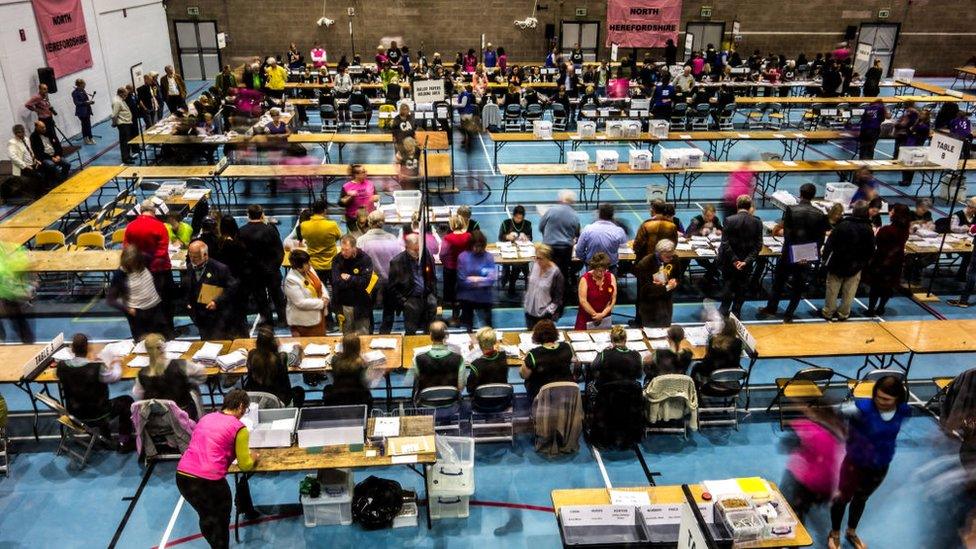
(208, 293)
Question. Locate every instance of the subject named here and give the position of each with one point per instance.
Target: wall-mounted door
(584, 33)
(196, 47)
(876, 41)
(703, 34)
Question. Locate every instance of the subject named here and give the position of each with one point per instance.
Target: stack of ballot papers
(374, 358)
(383, 343)
(697, 336)
(313, 363)
(583, 346)
(232, 360)
(317, 349)
(579, 336)
(510, 350)
(208, 353)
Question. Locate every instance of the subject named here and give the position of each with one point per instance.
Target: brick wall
(936, 34)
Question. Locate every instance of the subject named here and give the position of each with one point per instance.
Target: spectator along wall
(121, 33)
(935, 34)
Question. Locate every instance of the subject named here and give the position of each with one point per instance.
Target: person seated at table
(180, 232)
(673, 359)
(597, 293)
(166, 379)
(350, 376)
(357, 97)
(515, 229)
(615, 363)
(705, 223)
(921, 216)
(491, 366)
(439, 366)
(84, 386)
(551, 361)
(724, 350)
(267, 368)
(46, 148)
(277, 126)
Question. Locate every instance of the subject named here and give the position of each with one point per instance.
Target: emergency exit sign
(193, 10)
(580, 12)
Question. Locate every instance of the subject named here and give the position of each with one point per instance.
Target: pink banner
(63, 35)
(643, 23)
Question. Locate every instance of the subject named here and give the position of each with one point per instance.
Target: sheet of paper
(636, 346)
(386, 427)
(685, 136)
(586, 357)
(583, 346)
(601, 337)
(403, 459)
(64, 353)
(627, 497)
(313, 363)
(526, 338)
(656, 333)
(804, 252)
(634, 334)
(176, 346)
(779, 136)
(383, 343)
(579, 336)
(659, 344)
(727, 487)
(789, 163)
(209, 351)
(318, 349)
(140, 348)
(285, 424)
(139, 361)
(598, 515)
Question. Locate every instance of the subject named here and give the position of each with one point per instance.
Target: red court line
(271, 518)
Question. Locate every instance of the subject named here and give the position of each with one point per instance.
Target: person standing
(83, 110)
(353, 281)
(218, 439)
(133, 292)
(381, 247)
(560, 227)
(872, 80)
(225, 82)
(308, 299)
(210, 292)
(871, 120)
(805, 226)
(358, 192)
(601, 236)
(173, 90)
(658, 227)
(122, 120)
(670, 53)
(412, 287)
(47, 150)
(872, 436)
(264, 247)
(40, 105)
(597, 293)
(737, 254)
(476, 275)
(847, 251)
(148, 100)
(883, 272)
(275, 77)
(658, 275)
(150, 236)
(452, 246)
(321, 236)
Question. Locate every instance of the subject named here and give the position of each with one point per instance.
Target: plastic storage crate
(406, 202)
(448, 507)
(333, 506)
(453, 478)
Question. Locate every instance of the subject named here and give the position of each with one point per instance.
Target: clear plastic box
(407, 516)
(448, 507)
(333, 506)
(454, 475)
(745, 525)
(407, 202)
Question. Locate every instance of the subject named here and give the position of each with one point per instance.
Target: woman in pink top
(358, 192)
(814, 466)
(218, 439)
(741, 182)
(697, 65)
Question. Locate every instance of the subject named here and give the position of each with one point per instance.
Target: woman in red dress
(597, 292)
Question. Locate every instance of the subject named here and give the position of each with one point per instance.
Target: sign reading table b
(643, 23)
(64, 36)
(945, 151)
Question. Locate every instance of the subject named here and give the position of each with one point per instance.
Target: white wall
(117, 41)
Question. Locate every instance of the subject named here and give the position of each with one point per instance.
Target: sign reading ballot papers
(427, 91)
(945, 151)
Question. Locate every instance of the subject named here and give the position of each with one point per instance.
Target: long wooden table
(436, 140)
(933, 337)
(804, 102)
(57, 204)
(49, 375)
(670, 494)
(936, 90)
(967, 75)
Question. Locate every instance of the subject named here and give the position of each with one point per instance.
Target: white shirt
(343, 83)
(20, 155)
(48, 147)
(142, 291)
(120, 111)
(173, 89)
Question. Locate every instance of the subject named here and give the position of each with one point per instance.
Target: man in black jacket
(411, 286)
(266, 251)
(47, 150)
(803, 226)
(847, 251)
(741, 244)
(352, 283)
(210, 292)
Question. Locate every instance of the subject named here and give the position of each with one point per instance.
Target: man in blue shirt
(491, 59)
(560, 227)
(874, 115)
(603, 235)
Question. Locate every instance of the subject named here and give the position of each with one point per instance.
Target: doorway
(700, 35)
(196, 47)
(584, 33)
(876, 41)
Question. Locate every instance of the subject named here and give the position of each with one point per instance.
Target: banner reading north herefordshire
(64, 36)
(643, 23)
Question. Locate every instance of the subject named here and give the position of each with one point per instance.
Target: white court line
(172, 523)
(491, 164)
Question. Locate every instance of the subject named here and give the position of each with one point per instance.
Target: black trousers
(166, 288)
(856, 486)
(175, 103)
(86, 129)
(562, 256)
(266, 289)
(467, 313)
(149, 321)
(14, 310)
(510, 274)
(735, 286)
(120, 410)
(127, 132)
(867, 142)
(418, 313)
(798, 276)
(212, 501)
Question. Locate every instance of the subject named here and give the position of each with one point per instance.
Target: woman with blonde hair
(544, 289)
(166, 379)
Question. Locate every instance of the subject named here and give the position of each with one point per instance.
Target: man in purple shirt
(874, 115)
(961, 128)
(381, 247)
(603, 235)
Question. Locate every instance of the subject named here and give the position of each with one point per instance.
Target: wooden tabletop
(65, 260)
(434, 139)
(439, 165)
(967, 70)
(394, 357)
(671, 494)
(891, 99)
(937, 90)
(823, 339)
(333, 457)
(935, 336)
(14, 358)
(46, 211)
(18, 235)
(168, 172)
